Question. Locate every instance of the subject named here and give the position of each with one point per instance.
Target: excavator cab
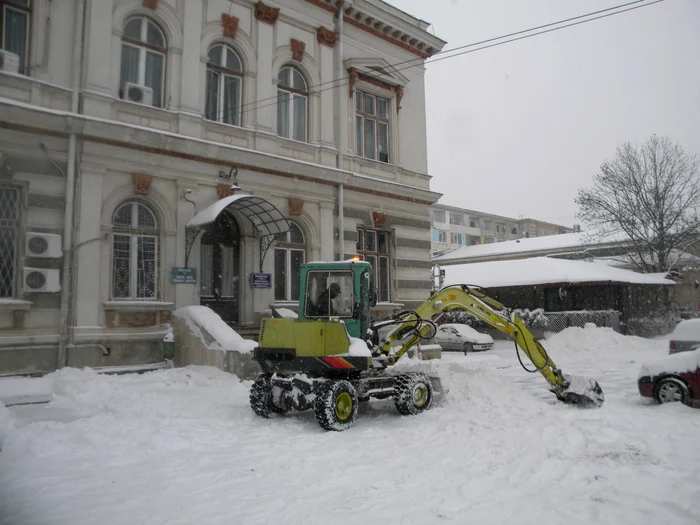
(343, 290)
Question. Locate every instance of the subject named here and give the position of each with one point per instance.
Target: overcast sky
(517, 129)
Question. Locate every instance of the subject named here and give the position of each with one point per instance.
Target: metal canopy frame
(267, 219)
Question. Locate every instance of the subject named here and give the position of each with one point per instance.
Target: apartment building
(452, 227)
(156, 154)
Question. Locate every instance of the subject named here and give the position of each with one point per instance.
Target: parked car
(462, 337)
(674, 378)
(685, 336)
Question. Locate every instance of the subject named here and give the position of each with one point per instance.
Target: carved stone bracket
(295, 206)
(191, 235)
(378, 219)
(399, 96)
(230, 25)
(265, 242)
(352, 79)
(150, 4)
(266, 14)
(298, 48)
(142, 183)
(327, 37)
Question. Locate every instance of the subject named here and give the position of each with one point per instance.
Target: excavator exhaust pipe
(580, 390)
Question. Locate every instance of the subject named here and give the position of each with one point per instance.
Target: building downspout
(70, 185)
(342, 135)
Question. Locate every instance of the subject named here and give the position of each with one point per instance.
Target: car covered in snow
(675, 377)
(462, 337)
(685, 336)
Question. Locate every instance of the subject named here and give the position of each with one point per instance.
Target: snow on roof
(542, 270)
(532, 244)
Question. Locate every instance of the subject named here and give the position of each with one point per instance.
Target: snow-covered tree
(650, 193)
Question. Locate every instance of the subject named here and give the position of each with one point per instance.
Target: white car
(685, 337)
(462, 337)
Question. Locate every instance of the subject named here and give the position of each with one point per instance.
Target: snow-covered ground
(181, 446)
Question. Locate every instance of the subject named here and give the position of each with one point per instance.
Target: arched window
(14, 30)
(134, 252)
(224, 85)
(292, 96)
(143, 58)
(290, 252)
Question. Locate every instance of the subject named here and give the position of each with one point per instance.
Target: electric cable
(493, 42)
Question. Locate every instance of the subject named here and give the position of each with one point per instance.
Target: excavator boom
(418, 324)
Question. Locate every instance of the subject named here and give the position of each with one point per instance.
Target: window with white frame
(9, 230)
(134, 252)
(373, 247)
(372, 126)
(290, 252)
(456, 238)
(14, 29)
(224, 85)
(457, 219)
(440, 236)
(143, 57)
(292, 104)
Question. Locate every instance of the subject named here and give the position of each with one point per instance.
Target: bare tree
(651, 194)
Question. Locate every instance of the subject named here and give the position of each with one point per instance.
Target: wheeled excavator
(332, 356)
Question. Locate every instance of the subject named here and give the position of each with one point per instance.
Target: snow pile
(286, 313)
(15, 390)
(675, 363)
(358, 348)
(595, 341)
(688, 330)
(212, 329)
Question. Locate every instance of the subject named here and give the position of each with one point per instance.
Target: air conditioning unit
(9, 62)
(45, 245)
(138, 94)
(41, 280)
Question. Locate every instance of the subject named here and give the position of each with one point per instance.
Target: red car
(675, 377)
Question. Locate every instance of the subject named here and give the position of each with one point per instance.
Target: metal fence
(559, 321)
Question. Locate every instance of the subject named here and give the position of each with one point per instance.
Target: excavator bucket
(581, 390)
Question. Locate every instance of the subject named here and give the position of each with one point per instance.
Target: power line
(493, 42)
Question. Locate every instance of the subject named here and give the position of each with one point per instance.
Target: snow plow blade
(582, 391)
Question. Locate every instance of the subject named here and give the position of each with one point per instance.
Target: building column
(98, 46)
(327, 230)
(87, 252)
(192, 70)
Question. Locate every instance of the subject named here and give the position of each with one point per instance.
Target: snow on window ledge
(138, 306)
(14, 304)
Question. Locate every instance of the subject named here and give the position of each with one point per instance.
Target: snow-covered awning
(268, 220)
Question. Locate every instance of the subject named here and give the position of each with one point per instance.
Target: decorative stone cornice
(230, 25)
(327, 37)
(423, 47)
(142, 183)
(298, 48)
(266, 14)
(150, 4)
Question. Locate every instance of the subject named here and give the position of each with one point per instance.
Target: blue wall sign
(261, 280)
(184, 275)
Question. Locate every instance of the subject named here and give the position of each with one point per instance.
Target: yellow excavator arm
(418, 324)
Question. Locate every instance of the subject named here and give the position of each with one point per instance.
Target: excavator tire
(261, 396)
(413, 393)
(335, 406)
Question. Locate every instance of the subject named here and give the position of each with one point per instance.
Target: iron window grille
(9, 232)
(135, 248)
